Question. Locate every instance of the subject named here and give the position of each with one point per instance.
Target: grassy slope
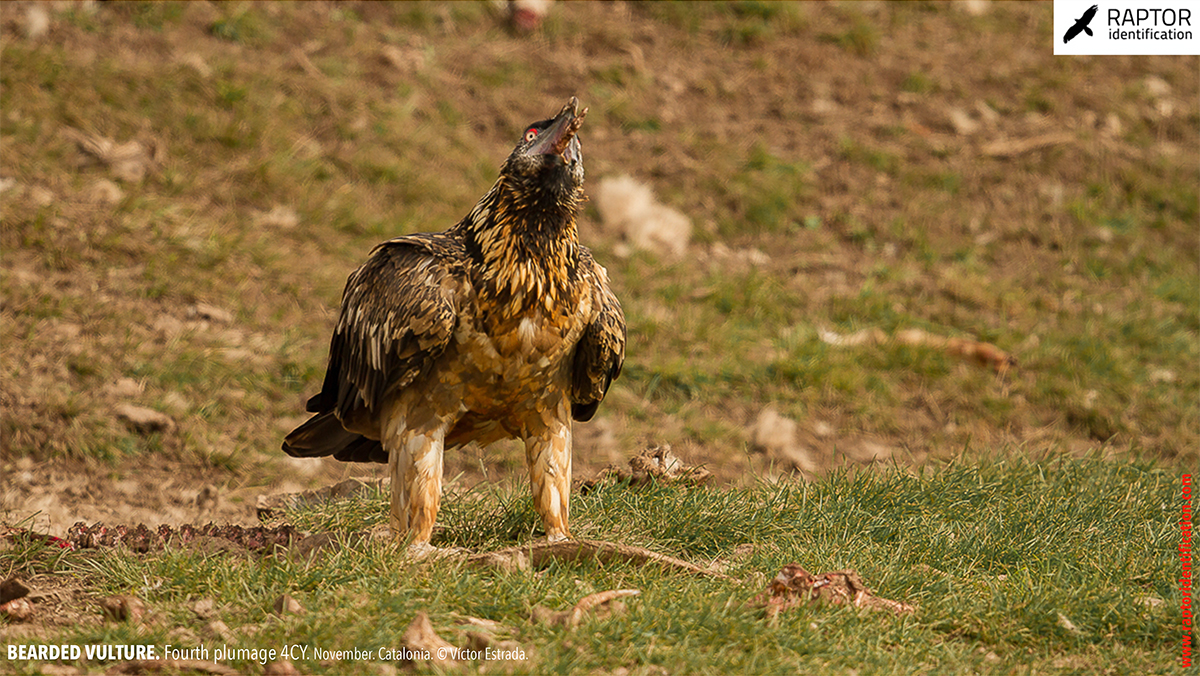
(1080, 259)
(369, 121)
(992, 554)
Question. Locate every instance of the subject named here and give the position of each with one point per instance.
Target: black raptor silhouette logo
(1081, 26)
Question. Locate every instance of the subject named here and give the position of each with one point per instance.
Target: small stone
(775, 435)
(168, 326)
(196, 63)
(405, 60)
(974, 7)
(823, 106)
(280, 668)
(176, 403)
(962, 122)
(123, 608)
(183, 635)
(41, 196)
(281, 217)
(219, 629)
(125, 388)
(203, 608)
(822, 429)
(772, 430)
(286, 605)
(1112, 125)
(986, 113)
(420, 637)
(211, 313)
(106, 192)
(144, 420)
(866, 451)
(1162, 376)
(37, 21)
(1066, 623)
(1156, 86)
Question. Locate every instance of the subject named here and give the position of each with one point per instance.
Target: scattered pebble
(204, 608)
(196, 63)
(37, 21)
(421, 638)
(974, 7)
(986, 113)
(210, 313)
(284, 218)
(406, 60)
(176, 403)
(748, 257)
(962, 122)
(1156, 86)
(1066, 623)
(822, 429)
(144, 420)
(105, 191)
(123, 608)
(823, 106)
(167, 326)
(219, 629)
(280, 668)
(866, 451)
(1162, 376)
(286, 605)
(125, 388)
(40, 196)
(775, 435)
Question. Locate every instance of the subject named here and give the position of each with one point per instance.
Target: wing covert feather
(398, 314)
(601, 349)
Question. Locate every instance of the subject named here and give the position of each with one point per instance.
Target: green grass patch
(992, 554)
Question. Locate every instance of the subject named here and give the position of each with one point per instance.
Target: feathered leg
(415, 465)
(548, 453)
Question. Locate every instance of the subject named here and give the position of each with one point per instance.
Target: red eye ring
(530, 134)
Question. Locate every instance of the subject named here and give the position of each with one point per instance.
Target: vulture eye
(530, 135)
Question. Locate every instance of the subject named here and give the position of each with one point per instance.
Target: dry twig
(538, 554)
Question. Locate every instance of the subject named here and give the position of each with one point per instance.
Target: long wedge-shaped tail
(324, 435)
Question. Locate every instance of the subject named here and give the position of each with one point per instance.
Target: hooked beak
(560, 138)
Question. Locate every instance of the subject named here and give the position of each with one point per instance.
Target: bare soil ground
(844, 165)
